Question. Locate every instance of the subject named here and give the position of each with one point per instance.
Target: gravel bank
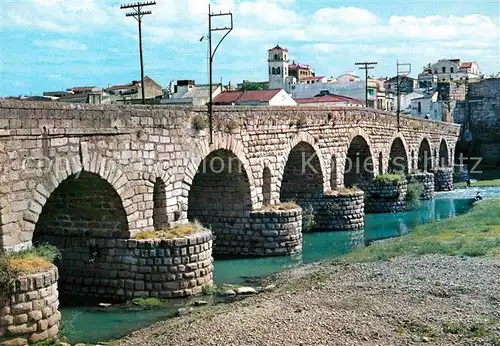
(432, 300)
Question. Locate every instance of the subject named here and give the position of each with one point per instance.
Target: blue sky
(57, 44)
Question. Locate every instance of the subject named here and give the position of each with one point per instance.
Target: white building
(186, 92)
(427, 106)
(272, 97)
(446, 70)
(347, 77)
(278, 67)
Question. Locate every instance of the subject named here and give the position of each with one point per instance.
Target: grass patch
(148, 303)
(476, 233)
(33, 260)
(280, 206)
(480, 183)
(180, 231)
(342, 191)
(388, 178)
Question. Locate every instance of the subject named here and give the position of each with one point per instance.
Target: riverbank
(433, 299)
(378, 295)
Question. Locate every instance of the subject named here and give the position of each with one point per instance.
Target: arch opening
(444, 160)
(160, 218)
(424, 156)
(398, 160)
(266, 186)
(302, 177)
(359, 163)
(83, 209)
(220, 199)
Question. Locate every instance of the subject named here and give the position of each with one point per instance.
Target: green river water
(91, 324)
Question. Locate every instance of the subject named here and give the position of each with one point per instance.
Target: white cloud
(267, 12)
(345, 15)
(61, 44)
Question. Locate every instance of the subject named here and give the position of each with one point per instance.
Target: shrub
(342, 191)
(308, 219)
(199, 122)
(232, 125)
(301, 121)
(388, 178)
(414, 191)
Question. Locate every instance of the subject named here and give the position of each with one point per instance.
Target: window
(443, 69)
(278, 70)
(275, 56)
(273, 70)
(451, 69)
(435, 71)
(419, 107)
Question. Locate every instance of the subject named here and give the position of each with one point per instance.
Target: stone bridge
(112, 171)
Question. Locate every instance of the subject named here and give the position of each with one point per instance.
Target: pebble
(245, 290)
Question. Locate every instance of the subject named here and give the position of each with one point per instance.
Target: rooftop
(328, 98)
(246, 95)
(277, 47)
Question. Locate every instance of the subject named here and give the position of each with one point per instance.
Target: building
(301, 72)
(75, 98)
(406, 84)
(347, 77)
(327, 99)
(278, 67)
(313, 79)
(186, 92)
(56, 94)
(84, 89)
(271, 97)
(427, 106)
(446, 70)
(133, 91)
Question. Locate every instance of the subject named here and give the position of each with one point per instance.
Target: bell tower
(277, 62)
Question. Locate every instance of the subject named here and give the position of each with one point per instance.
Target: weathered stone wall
(341, 212)
(381, 197)
(273, 233)
(443, 179)
(427, 182)
(31, 314)
(133, 147)
(481, 115)
(121, 269)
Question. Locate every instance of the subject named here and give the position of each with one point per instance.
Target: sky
(50, 45)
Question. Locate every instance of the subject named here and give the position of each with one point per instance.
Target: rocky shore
(432, 300)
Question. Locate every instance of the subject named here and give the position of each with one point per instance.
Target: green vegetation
(308, 219)
(148, 303)
(280, 206)
(170, 233)
(474, 234)
(413, 192)
(480, 183)
(199, 122)
(388, 178)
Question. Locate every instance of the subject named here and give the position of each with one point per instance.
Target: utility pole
(366, 67)
(211, 55)
(404, 74)
(138, 14)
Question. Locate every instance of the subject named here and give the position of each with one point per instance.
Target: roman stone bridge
(113, 171)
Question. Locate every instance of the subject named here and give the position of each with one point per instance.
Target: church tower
(277, 62)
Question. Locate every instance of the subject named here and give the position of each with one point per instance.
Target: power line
(366, 67)
(211, 55)
(404, 74)
(138, 14)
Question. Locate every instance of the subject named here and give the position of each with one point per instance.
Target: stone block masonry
(443, 179)
(427, 182)
(141, 167)
(274, 233)
(341, 212)
(122, 269)
(382, 197)
(31, 314)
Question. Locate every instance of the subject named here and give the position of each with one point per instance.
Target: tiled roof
(74, 96)
(292, 66)
(246, 96)
(328, 98)
(277, 47)
(467, 64)
(83, 88)
(124, 86)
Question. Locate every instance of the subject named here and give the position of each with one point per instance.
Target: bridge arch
(444, 156)
(303, 178)
(398, 155)
(284, 157)
(425, 158)
(220, 197)
(358, 167)
(61, 169)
